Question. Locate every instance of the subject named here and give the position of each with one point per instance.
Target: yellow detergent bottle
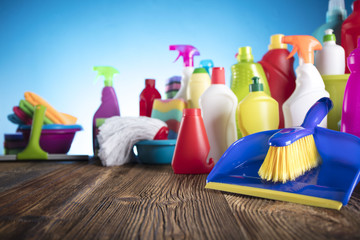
(257, 111)
(199, 82)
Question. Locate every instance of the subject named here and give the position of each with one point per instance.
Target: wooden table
(80, 200)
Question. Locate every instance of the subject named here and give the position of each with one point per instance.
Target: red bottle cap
(218, 75)
(191, 112)
(150, 82)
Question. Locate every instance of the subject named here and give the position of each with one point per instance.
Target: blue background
(50, 47)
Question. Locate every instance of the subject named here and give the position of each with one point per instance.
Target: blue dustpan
(330, 185)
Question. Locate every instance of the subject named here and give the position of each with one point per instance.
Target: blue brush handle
(313, 117)
(317, 113)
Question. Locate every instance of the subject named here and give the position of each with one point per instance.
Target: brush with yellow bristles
(292, 151)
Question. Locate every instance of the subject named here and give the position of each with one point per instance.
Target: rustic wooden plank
(14, 174)
(153, 203)
(77, 201)
(269, 219)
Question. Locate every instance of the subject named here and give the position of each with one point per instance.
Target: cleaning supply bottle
(350, 118)
(109, 104)
(147, 97)
(279, 70)
(172, 86)
(242, 72)
(208, 64)
(335, 16)
(218, 105)
(350, 31)
(257, 111)
(199, 82)
(192, 146)
(187, 52)
(309, 84)
(330, 60)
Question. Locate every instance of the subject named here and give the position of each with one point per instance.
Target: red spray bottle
(147, 97)
(279, 70)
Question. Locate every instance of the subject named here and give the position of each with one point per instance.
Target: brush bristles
(287, 163)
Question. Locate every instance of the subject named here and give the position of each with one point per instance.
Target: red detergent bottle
(192, 146)
(147, 97)
(109, 104)
(350, 31)
(279, 70)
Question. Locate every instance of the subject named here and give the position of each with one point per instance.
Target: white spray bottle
(187, 52)
(309, 83)
(331, 59)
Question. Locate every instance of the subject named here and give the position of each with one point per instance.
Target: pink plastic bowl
(54, 138)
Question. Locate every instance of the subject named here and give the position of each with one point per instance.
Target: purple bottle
(350, 118)
(109, 104)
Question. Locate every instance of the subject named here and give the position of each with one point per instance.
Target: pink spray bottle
(109, 104)
(350, 118)
(187, 52)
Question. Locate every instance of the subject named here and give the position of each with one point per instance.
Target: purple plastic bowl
(54, 140)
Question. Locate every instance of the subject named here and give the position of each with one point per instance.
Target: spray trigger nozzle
(292, 53)
(108, 73)
(187, 52)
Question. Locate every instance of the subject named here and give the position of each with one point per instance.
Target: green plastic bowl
(155, 151)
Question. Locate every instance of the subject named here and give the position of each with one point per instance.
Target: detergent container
(199, 82)
(192, 146)
(330, 60)
(187, 52)
(147, 97)
(242, 72)
(109, 104)
(350, 119)
(218, 105)
(309, 84)
(258, 111)
(279, 70)
(350, 31)
(335, 16)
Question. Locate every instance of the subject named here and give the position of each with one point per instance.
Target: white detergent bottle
(331, 59)
(187, 52)
(218, 105)
(309, 84)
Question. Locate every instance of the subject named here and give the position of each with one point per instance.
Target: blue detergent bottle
(335, 16)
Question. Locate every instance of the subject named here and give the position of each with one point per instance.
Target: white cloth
(118, 135)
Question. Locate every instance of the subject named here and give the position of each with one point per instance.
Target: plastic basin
(155, 151)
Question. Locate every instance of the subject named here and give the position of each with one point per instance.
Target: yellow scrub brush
(292, 151)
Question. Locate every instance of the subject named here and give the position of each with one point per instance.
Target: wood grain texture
(87, 201)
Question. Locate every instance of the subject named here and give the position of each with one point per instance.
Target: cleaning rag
(51, 113)
(28, 110)
(118, 135)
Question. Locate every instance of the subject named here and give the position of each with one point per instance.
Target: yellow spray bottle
(257, 111)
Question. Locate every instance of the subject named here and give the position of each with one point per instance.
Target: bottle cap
(191, 112)
(275, 42)
(218, 75)
(150, 82)
(200, 70)
(245, 54)
(256, 86)
(329, 36)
